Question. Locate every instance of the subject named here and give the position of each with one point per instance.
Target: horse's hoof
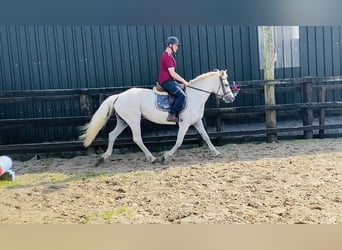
(154, 160)
(218, 155)
(99, 161)
(162, 159)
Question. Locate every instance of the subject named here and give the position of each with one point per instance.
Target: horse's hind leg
(200, 128)
(120, 126)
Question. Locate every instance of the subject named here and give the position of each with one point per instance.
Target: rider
(169, 80)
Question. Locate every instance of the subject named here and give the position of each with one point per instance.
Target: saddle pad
(164, 102)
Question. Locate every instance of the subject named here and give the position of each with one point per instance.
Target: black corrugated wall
(49, 57)
(66, 57)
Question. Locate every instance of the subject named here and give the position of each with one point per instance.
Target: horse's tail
(99, 119)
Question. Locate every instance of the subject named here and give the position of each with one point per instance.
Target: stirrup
(172, 118)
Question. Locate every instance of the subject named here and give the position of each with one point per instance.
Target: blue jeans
(173, 88)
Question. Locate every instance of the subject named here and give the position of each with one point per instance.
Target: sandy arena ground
(297, 181)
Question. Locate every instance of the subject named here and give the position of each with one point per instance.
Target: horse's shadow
(83, 166)
(91, 166)
(53, 174)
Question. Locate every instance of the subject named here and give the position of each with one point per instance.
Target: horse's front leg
(136, 132)
(201, 130)
(180, 137)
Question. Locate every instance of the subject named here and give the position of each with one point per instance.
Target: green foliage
(121, 211)
(86, 219)
(4, 183)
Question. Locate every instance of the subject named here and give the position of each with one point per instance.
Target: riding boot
(172, 118)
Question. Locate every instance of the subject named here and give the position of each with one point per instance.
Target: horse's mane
(204, 76)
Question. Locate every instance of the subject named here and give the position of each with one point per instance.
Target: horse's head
(224, 90)
(215, 82)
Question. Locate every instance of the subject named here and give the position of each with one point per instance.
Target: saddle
(164, 100)
(159, 90)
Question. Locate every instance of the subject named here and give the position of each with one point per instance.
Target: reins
(209, 91)
(198, 89)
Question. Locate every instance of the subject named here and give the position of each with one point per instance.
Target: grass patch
(4, 183)
(140, 174)
(86, 219)
(121, 211)
(27, 180)
(58, 177)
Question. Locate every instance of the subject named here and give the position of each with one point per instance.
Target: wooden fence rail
(89, 99)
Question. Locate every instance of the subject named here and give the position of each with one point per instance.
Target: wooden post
(269, 92)
(307, 113)
(322, 99)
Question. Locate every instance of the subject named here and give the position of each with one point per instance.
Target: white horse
(133, 103)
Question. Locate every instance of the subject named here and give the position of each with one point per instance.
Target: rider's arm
(177, 77)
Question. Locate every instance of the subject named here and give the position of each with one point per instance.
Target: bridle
(218, 95)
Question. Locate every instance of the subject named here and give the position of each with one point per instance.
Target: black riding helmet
(172, 40)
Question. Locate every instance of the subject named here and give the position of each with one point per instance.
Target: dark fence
(223, 122)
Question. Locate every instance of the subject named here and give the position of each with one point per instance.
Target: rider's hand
(183, 85)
